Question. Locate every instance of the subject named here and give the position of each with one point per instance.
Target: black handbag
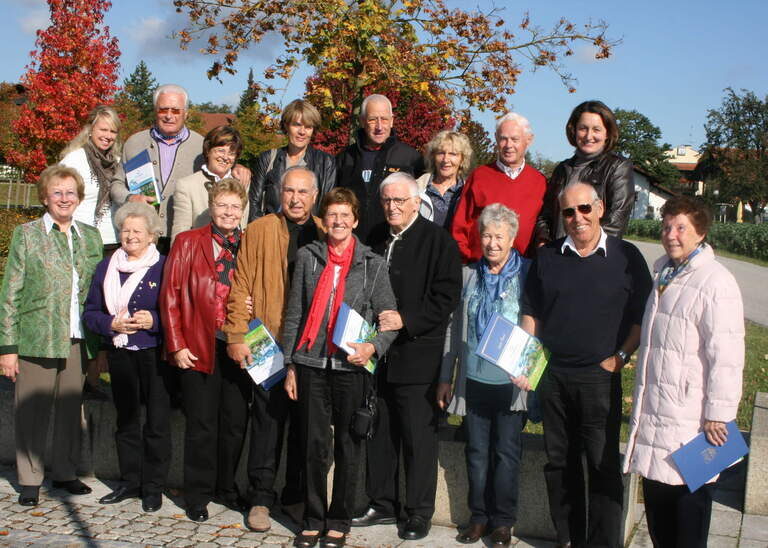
(366, 418)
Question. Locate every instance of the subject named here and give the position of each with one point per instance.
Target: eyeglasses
(228, 207)
(169, 110)
(584, 209)
(397, 202)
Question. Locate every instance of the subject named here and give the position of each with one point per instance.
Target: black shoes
(197, 512)
(373, 517)
(474, 532)
(306, 541)
(334, 542)
(415, 528)
(120, 494)
(501, 536)
(153, 502)
(74, 487)
(30, 495)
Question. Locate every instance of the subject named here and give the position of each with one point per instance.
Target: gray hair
(519, 119)
(572, 184)
(400, 177)
(171, 88)
(373, 98)
(498, 214)
(298, 168)
(141, 210)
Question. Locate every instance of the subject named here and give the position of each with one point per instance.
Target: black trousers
(676, 517)
(407, 421)
(270, 411)
(216, 409)
(329, 397)
(581, 409)
(139, 377)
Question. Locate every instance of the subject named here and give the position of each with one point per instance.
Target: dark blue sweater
(145, 297)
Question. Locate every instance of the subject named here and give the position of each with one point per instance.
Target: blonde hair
(460, 144)
(101, 111)
(229, 185)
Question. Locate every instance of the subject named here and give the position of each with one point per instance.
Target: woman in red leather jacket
(592, 129)
(215, 390)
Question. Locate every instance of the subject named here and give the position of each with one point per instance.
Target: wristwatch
(623, 355)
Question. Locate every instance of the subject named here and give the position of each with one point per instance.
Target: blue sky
(673, 64)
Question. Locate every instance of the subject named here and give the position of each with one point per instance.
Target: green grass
(718, 252)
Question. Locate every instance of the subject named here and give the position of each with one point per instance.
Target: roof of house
(215, 119)
(653, 181)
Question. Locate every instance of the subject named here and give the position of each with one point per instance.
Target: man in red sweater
(508, 181)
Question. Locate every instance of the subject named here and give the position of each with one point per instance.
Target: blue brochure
(352, 327)
(699, 461)
(140, 176)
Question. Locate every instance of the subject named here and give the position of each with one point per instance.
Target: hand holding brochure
(507, 345)
(699, 461)
(140, 175)
(352, 327)
(267, 366)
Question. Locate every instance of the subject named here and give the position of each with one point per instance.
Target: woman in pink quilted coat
(689, 371)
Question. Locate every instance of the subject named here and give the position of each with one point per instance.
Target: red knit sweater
(489, 185)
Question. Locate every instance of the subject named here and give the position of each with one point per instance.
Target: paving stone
(168, 522)
(231, 532)
(727, 524)
(225, 541)
(187, 525)
(719, 541)
(748, 543)
(249, 543)
(532, 543)
(641, 540)
(165, 539)
(203, 537)
(277, 539)
(180, 543)
(755, 528)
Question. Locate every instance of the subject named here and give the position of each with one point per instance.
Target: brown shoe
(474, 532)
(501, 536)
(258, 519)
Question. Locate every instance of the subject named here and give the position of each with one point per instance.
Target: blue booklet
(352, 327)
(699, 461)
(508, 346)
(140, 176)
(267, 367)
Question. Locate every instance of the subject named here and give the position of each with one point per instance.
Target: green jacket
(37, 288)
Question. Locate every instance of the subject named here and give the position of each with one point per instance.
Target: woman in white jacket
(95, 153)
(689, 372)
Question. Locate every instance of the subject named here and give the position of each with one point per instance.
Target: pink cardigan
(689, 367)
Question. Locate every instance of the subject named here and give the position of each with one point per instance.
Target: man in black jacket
(425, 272)
(376, 153)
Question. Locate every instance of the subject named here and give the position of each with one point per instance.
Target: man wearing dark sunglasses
(584, 298)
(175, 151)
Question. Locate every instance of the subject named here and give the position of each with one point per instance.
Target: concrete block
(756, 492)
(727, 524)
(755, 528)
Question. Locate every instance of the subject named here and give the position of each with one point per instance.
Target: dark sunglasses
(584, 209)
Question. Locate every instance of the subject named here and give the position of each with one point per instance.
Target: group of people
(418, 246)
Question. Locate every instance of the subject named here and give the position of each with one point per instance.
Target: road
(752, 280)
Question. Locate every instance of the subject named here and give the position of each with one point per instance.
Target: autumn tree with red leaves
(73, 69)
(418, 117)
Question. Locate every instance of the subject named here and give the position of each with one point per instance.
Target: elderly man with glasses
(584, 298)
(425, 272)
(175, 152)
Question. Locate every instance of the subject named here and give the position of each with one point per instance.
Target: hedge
(749, 240)
(9, 219)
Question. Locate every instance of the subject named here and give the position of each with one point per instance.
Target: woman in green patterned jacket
(42, 340)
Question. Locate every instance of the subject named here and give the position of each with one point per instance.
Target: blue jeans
(494, 451)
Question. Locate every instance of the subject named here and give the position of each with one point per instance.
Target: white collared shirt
(398, 236)
(568, 243)
(511, 172)
(210, 173)
(75, 325)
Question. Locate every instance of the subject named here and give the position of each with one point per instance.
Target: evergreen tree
(139, 87)
(248, 97)
(483, 148)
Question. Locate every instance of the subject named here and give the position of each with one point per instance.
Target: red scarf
(323, 294)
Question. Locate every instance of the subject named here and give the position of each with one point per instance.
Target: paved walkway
(752, 280)
(62, 520)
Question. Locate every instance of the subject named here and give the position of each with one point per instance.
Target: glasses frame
(584, 209)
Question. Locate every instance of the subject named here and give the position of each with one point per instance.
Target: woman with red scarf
(328, 383)
(215, 390)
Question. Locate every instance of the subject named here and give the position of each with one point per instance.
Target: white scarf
(118, 295)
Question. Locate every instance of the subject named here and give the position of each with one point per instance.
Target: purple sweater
(145, 297)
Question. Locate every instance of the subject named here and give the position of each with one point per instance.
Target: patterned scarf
(103, 165)
(225, 269)
(323, 293)
(491, 288)
(669, 271)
